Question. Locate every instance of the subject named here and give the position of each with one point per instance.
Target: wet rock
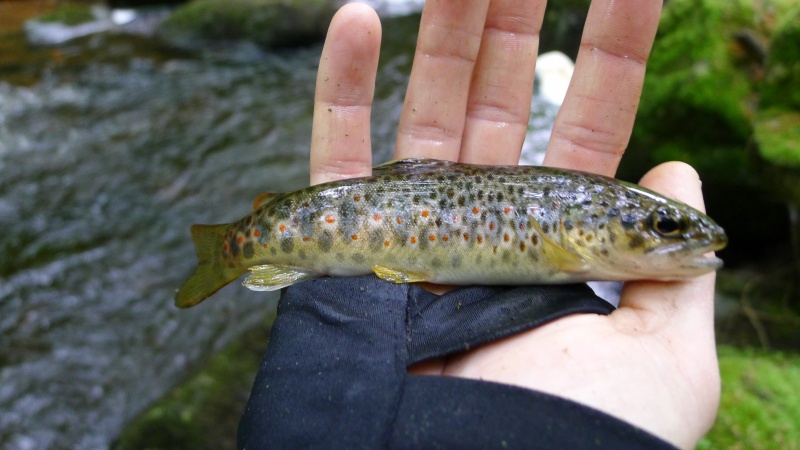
(267, 23)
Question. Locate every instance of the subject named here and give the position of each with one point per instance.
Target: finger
(499, 104)
(594, 124)
(432, 121)
(340, 139)
(683, 308)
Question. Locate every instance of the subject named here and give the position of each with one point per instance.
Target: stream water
(110, 147)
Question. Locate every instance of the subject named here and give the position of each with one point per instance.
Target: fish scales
(445, 222)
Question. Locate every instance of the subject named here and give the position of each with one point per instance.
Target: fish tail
(212, 272)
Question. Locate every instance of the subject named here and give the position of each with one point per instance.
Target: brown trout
(445, 222)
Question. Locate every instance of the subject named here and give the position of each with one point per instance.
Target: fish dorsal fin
(271, 277)
(412, 165)
(398, 276)
(561, 257)
(262, 199)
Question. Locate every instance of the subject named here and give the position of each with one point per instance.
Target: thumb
(684, 308)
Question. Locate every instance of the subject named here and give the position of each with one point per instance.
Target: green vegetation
(760, 402)
(268, 23)
(203, 412)
(69, 14)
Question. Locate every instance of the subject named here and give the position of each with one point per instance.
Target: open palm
(652, 362)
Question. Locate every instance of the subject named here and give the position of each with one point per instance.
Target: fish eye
(667, 223)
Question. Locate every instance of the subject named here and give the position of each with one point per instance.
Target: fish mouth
(703, 258)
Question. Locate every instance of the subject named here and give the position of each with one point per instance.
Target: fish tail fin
(212, 271)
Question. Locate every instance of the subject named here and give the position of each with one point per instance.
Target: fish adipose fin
(263, 199)
(212, 272)
(271, 277)
(561, 257)
(398, 276)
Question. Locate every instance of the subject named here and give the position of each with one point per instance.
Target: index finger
(595, 121)
(340, 135)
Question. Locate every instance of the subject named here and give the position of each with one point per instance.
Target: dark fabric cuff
(335, 371)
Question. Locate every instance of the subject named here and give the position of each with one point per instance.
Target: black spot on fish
(613, 212)
(490, 197)
(546, 227)
(462, 201)
(358, 258)
(636, 240)
(415, 199)
(287, 244)
(438, 222)
(500, 194)
(628, 221)
(455, 261)
(480, 194)
(234, 247)
(301, 254)
(325, 241)
(568, 225)
(248, 251)
(436, 263)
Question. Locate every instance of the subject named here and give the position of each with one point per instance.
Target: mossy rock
(69, 14)
(777, 133)
(782, 81)
(267, 23)
(702, 87)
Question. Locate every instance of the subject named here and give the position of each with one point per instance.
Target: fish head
(645, 236)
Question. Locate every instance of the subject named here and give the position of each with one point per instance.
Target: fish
(428, 220)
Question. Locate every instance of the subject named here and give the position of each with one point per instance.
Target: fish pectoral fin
(398, 276)
(262, 199)
(561, 257)
(271, 277)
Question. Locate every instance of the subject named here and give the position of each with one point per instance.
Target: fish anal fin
(561, 257)
(398, 276)
(262, 199)
(271, 277)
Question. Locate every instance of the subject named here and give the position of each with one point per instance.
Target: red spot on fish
(491, 226)
(413, 240)
(535, 239)
(521, 226)
(266, 245)
(480, 239)
(475, 210)
(507, 210)
(425, 213)
(445, 238)
(376, 217)
(282, 228)
(432, 238)
(506, 237)
(256, 233)
(330, 219)
(225, 247)
(385, 243)
(399, 219)
(240, 239)
(466, 236)
(455, 218)
(306, 238)
(356, 198)
(354, 237)
(522, 246)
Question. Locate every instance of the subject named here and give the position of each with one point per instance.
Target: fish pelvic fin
(212, 272)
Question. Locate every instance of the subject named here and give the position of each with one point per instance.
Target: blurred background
(122, 123)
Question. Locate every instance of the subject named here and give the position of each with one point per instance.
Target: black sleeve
(335, 372)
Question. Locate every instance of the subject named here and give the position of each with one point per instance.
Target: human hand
(653, 361)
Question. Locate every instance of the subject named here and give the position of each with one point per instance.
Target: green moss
(777, 133)
(69, 14)
(782, 83)
(760, 401)
(203, 412)
(269, 23)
